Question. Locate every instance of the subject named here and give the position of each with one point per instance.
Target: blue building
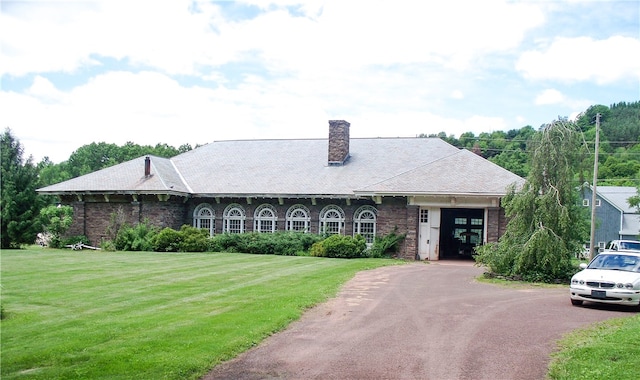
(615, 218)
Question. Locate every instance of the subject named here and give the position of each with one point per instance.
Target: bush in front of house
(135, 238)
(187, 239)
(340, 246)
(278, 243)
(386, 245)
(167, 240)
(194, 239)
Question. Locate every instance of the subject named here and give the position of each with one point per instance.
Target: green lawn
(91, 314)
(608, 350)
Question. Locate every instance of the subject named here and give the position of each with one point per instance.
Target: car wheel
(576, 302)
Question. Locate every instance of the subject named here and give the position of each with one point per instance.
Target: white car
(611, 277)
(623, 245)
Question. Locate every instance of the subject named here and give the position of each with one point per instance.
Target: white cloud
(151, 108)
(457, 94)
(166, 35)
(198, 71)
(550, 96)
(175, 37)
(584, 59)
(410, 124)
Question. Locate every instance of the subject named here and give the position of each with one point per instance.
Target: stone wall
(93, 216)
(391, 213)
(496, 224)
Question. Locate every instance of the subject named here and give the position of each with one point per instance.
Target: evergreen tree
(546, 225)
(19, 202)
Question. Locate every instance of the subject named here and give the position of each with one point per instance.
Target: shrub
(278, 243)
(224, 243)
(340, 246)
(138, 238)
(167, 240)
(187, 239)
(56, 220)
(386, 245)
(193, 239)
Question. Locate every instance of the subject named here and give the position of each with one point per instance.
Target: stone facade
(496, 224)
(93, 216)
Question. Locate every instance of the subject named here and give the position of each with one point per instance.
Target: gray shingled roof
(461, 173)
(127, 177)
(300, 168)
(618, 196)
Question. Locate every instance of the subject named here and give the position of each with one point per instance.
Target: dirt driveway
(420, 321)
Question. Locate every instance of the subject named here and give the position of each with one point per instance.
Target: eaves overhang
(426, 194)
(275, 195)
(115, 192)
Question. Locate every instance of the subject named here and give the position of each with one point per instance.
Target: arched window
(234, 217)
(332, 220)
(364, 223)
(204, 218)
(298, 218)
(265, 219)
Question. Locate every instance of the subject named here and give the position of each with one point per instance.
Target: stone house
(446, 200)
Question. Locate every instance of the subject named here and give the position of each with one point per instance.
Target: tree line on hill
(619, 158)
(619, 153)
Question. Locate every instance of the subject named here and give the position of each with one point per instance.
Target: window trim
(330, 209)
(359, 221)
(290, 218)
(258, 218)
(241, 217)
(198, 217)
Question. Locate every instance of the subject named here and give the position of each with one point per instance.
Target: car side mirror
(583, 265)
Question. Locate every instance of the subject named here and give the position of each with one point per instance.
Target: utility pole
(592, 243)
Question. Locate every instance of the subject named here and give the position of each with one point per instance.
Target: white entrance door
(424, 240)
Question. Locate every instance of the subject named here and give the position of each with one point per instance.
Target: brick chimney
(338, 142)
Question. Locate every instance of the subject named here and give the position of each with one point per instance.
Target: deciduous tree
(546, 225)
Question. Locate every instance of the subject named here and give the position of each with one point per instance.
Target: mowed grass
(138, 315)
(608, 350)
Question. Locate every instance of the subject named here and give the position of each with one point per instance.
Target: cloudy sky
(182, 71)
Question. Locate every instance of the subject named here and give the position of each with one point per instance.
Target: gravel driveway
(420, 321)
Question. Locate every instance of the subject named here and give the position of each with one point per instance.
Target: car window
(616, 262)
(630, 245)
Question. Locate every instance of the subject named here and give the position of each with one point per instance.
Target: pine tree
(19, 202)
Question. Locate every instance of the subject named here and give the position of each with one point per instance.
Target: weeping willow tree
(546, 223)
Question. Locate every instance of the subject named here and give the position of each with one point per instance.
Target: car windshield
(616, 262)
(630, 245)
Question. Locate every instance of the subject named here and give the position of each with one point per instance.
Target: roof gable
(126, 177)
(460, 173)
(618, 196)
